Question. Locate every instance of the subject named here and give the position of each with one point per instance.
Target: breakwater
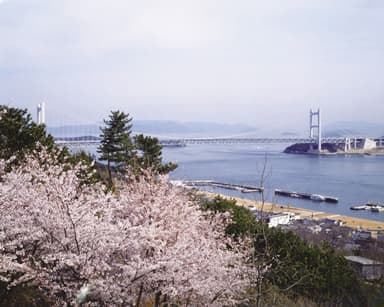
(223, 185)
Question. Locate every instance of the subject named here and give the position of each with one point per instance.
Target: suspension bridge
(92, 140)
(83, 138)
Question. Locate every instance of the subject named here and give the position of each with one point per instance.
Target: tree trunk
(139, 296)
(109, 172)
(157, 299)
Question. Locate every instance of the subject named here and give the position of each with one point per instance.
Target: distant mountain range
(175, 129)
(346, 128)
(157, 127)
(161, 129)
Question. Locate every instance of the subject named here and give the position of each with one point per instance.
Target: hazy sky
(245, 61)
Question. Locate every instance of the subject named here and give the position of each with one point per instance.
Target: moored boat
(362, 207)
(377, 208)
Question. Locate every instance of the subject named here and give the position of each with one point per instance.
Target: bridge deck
(185, 141)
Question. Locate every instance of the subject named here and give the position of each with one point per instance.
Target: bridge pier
(41, 113)
(347, 144)
(315, 126)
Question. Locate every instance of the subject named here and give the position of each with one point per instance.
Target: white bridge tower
(315, 127)
(41, 113)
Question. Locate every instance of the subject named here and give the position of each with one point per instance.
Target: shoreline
(352, 222)
(355, 152)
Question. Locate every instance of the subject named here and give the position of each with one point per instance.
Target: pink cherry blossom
(79, 243)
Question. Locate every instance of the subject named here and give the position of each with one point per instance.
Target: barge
(374, 207)
(314, 197)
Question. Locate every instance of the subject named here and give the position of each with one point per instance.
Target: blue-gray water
(354, 179)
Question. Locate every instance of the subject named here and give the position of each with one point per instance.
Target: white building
(368, 144)
(362, 144)
(278, 219)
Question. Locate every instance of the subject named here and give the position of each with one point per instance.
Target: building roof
(278, 215)
(362, 260)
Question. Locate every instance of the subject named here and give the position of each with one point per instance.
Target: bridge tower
(315, 126)
(41, 113)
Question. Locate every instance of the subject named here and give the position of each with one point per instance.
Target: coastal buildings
(274, 219)
(354, 144)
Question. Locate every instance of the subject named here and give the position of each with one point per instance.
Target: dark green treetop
(150, 155)
(116, 145)
(124, 153)
(19, 134)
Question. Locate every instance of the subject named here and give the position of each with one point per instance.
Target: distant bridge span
(83, 141)
(257, 140)
(315, 137)
(190, 141)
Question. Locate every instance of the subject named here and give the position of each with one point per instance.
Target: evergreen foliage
(116, 145)
(243, 222)
(297, 268)
(122, 152)
(316, 271)
(150, 155)
(150, 151)
(19, 134)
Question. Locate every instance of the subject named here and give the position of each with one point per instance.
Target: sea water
(353, 179)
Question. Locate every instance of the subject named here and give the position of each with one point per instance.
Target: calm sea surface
(354, 179)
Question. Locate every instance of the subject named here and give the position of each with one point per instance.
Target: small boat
(317, 197)
(245, 190)
(374, 204)
(363, 207)
(377, 208)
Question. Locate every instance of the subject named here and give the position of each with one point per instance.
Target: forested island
(305, 148)
(332, 148)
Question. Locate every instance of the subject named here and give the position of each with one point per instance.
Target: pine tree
(151, 155)
(150, 151)
(19, 134)
(116, 144)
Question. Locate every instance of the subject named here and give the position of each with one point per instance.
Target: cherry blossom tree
(79, 244)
